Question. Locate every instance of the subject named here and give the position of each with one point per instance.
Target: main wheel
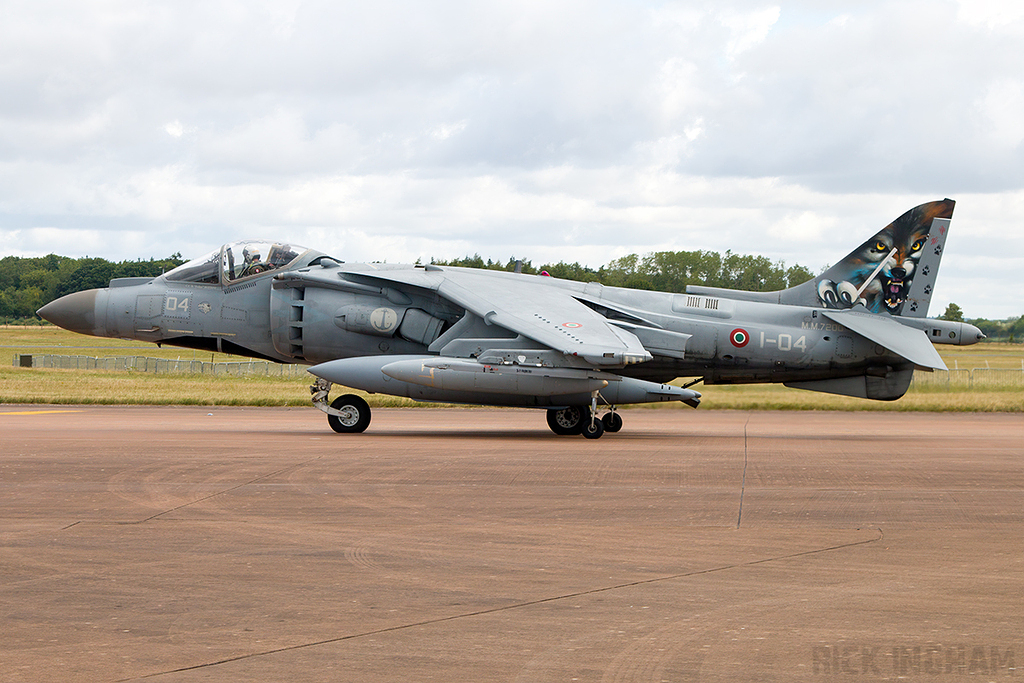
(612, 422)
(568, 420)
(356, 416)
(593, 429)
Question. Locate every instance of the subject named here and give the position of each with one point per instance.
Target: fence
(164, 366)
(965, 380)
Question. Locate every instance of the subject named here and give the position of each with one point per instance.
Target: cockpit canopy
(237, 261)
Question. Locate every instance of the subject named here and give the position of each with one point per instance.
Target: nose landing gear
(353, 417)
(348, 414)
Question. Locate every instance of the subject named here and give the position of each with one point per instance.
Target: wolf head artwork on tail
(892, 273)
(914, 250)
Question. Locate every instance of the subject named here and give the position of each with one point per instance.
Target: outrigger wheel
(612, 422)
(355, 417)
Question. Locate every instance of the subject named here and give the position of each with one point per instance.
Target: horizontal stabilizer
(902, 340)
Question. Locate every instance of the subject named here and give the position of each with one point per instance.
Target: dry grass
(984, 355)
(24, 385)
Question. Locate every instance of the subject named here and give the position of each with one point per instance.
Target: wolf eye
(880, 246)
(917, 245)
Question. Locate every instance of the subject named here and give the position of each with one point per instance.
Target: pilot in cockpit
(253, 265)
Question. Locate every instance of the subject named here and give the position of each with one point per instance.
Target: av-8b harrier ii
(460, 335)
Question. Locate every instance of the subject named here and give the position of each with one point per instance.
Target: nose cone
(75, 312)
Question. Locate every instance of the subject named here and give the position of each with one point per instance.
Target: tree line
(27, 284)
(665, 271)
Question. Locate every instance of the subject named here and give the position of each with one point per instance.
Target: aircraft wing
(525, 305)
(905, 341)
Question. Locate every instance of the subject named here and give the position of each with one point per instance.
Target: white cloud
(992, 14)
(804, 226)
(748, 29)
(175, 129)
(445, 131)
(548, 130)
(1003, 109)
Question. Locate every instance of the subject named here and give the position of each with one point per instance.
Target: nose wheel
(351, 416)
(348, 414)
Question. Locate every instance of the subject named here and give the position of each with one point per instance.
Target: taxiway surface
(230, 544)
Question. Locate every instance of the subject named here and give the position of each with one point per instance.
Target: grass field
(22, 385)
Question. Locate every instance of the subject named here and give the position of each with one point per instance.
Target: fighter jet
(573, 349)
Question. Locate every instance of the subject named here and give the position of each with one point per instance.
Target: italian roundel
(739, 337)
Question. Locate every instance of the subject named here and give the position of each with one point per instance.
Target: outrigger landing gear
(347, 414)
(612, 421)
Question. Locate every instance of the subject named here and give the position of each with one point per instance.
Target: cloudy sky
(547, 130)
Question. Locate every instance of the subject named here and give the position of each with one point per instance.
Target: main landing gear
(347, 414)
(580, 420)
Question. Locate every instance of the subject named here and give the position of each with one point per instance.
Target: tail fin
(893, 272)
